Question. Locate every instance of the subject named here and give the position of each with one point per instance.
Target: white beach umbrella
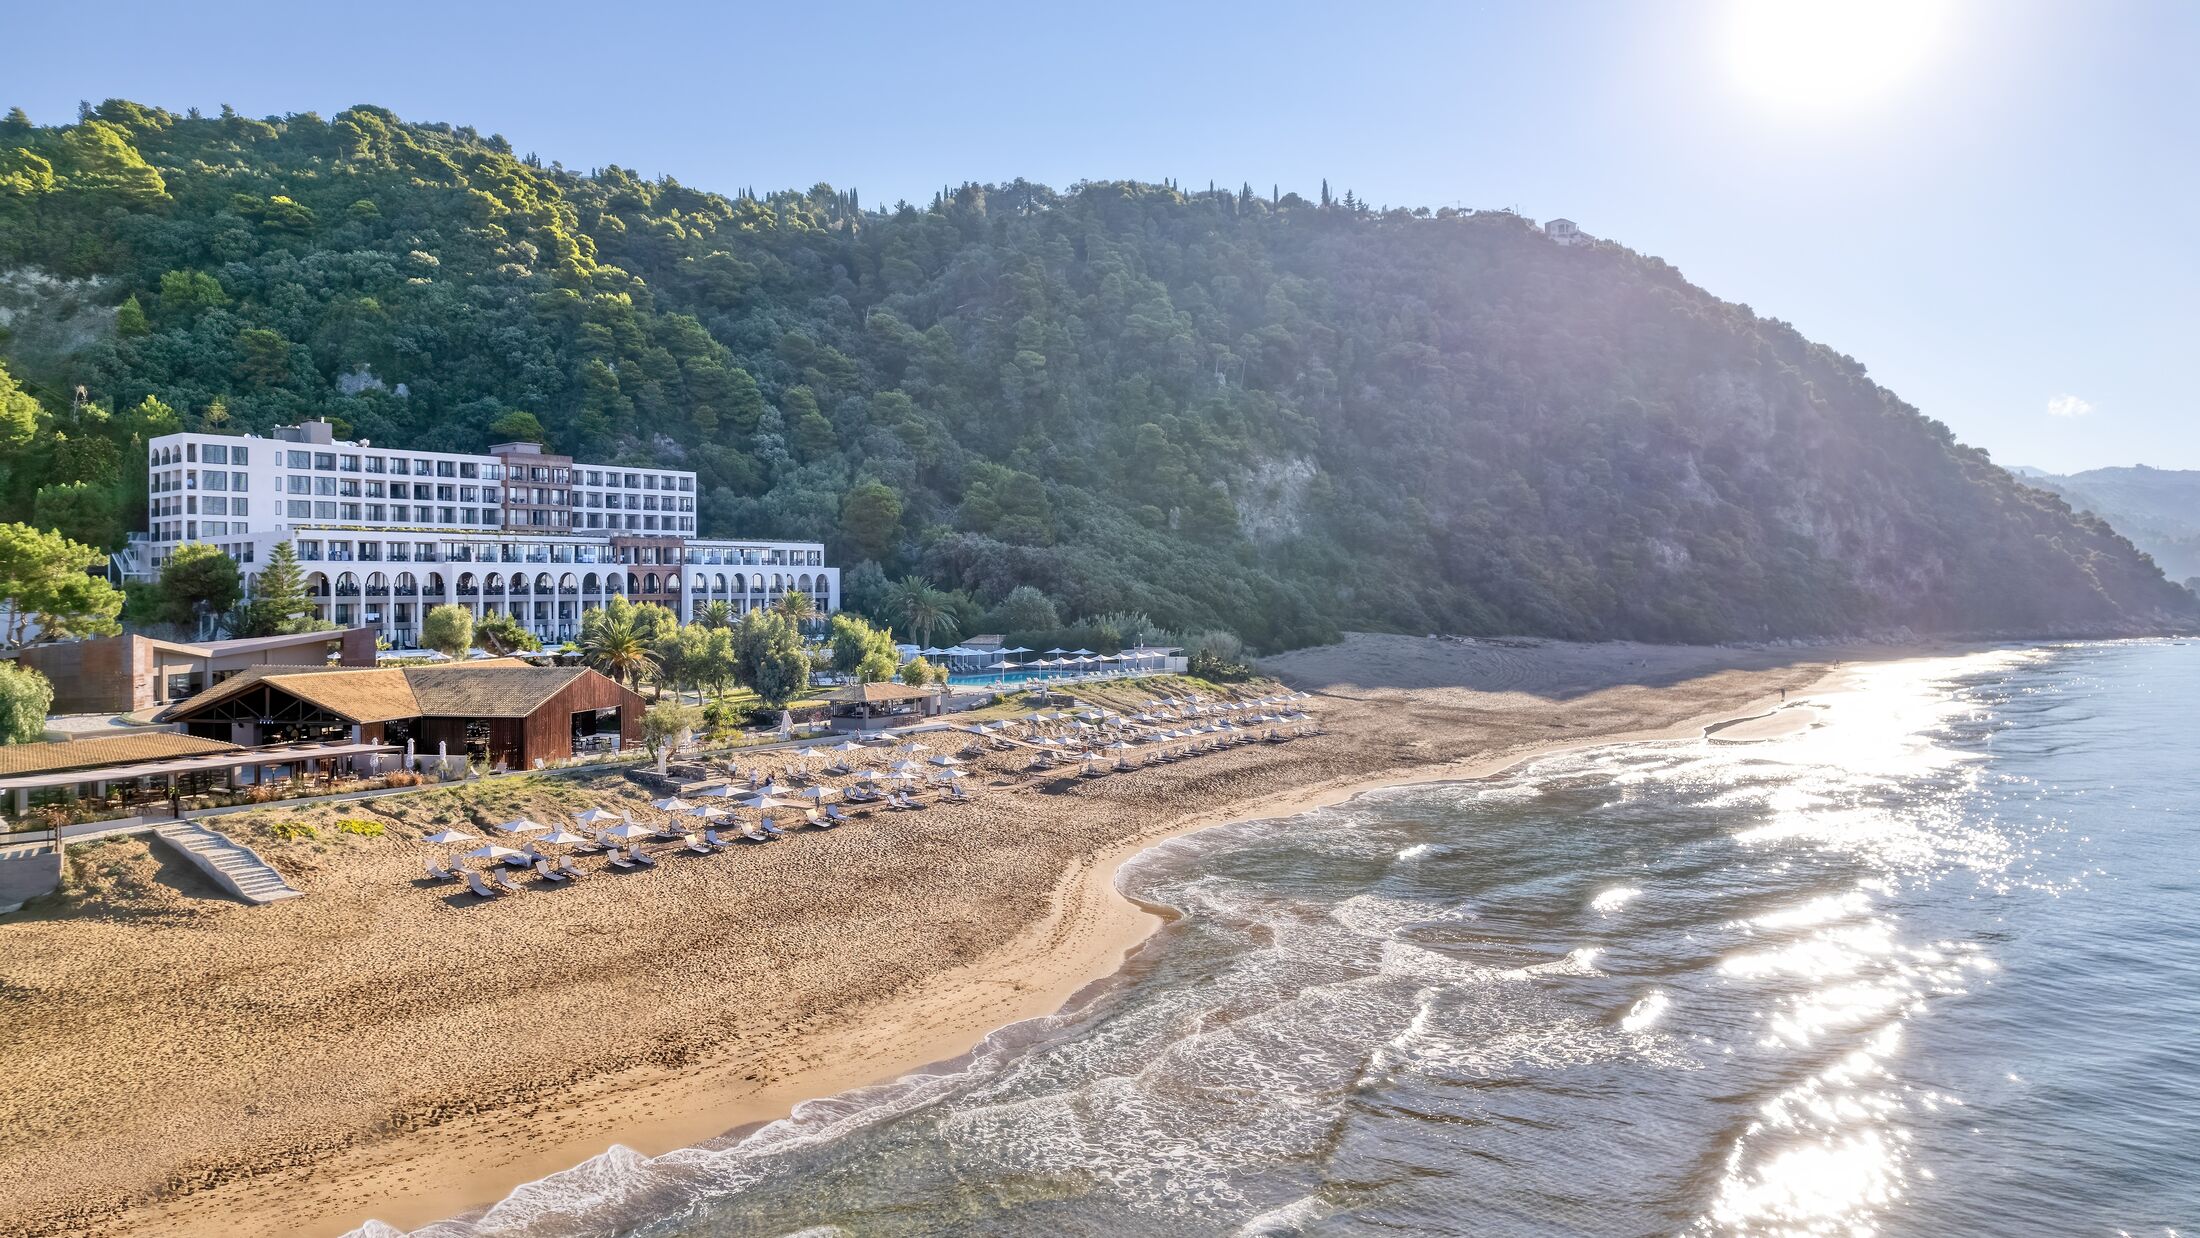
(723, 791)
(448, 835)
(709, 812)
(562, 837)
(522, 825)
(627, 830)
(847, 745)
(593, 815)
(816, 793)
(946, 760)
(671, 803)
(491, 852)
(767, 802)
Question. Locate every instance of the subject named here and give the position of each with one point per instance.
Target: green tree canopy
(46, 585)
(448, 629)
(25, 699)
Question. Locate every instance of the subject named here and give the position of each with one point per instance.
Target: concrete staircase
(233, 866)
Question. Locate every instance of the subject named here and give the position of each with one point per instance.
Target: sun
(1830, 55)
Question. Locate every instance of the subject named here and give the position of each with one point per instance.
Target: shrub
(292, 831)
(361, 827)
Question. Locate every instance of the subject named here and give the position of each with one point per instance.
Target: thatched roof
(107, 750)
(497, 688)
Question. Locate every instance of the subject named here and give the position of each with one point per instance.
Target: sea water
(1929, 967)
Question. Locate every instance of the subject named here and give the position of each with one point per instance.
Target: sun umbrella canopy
(522, 825)
(671, 803)
(562, 837)
(815, 793)
(723, 791)
(490, 852)
(709, 812)
(445, 837)
(766, 801)
(593, 815)
(627, 829)
(946, 760)
(847, 745)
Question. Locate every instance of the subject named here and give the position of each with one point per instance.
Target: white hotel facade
(382, 534)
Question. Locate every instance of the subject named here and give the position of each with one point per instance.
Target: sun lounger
(568, 869)
(547, 873)
(833, 817)
(643, 858)
(475, 884)
(770, 829)
(436, 872)
(698, 846)
(504, 882)
(619, 860)
(959, 795)
(754, 835)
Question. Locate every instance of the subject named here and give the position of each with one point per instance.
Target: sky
(1988, 203)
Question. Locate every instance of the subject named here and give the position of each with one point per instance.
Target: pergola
(174, 771)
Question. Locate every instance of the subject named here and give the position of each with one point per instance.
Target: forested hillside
(2158, 509)
(1220, 408)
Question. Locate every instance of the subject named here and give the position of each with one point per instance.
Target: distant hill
(1220, 408)
(2158, 509)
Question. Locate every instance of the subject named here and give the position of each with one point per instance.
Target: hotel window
(237, 456)
(216, 454)
(350, 512)
(299, 484)
(378, 464)
(324, 485)
(351, 464)
(375, 511)
(191, 452)
(217, 480)
(450, 515)
(216, 506)
(377, 489)
(348, 487)
(325, 461)
(446, 468)
(423, 468)
(300, 509)
(237, 508)
(300, 460)
(324, 511)
(424, 515)
(400, 466)
(238, 481)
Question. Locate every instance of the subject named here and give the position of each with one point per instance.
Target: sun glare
(1829, 55)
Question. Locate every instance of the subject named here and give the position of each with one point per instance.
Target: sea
(1929, 967)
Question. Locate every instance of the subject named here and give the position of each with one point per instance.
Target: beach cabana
(874, 706)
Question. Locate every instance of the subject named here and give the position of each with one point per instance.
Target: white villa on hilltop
(384, 533)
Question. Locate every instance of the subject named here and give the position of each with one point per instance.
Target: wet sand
(385, 1048)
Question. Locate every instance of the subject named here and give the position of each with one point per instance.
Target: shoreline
(1126, 924)
(460, 1163)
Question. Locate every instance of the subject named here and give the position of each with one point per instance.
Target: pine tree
(279, 602)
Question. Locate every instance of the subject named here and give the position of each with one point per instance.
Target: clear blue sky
(1991, 206)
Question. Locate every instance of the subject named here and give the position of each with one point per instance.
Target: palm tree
(717, 614)
(610, 644)
(923, 608)
(796, 606)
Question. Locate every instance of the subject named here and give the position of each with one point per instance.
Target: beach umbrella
(446, 836)
(815, 793)
(521, 825)
(593, 815)
(709, 812)
(671, 803)
(722, 791)
(774, 787)
(767, 802)
(491, 852)
(846, 745)
(627, 830)
(902, 767)
(946, 760)
(562, 837)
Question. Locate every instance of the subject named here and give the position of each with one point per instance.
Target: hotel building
(383, 534)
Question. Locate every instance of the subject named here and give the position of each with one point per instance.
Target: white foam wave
(1610, 901)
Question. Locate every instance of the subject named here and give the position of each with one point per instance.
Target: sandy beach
(180, 1064)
